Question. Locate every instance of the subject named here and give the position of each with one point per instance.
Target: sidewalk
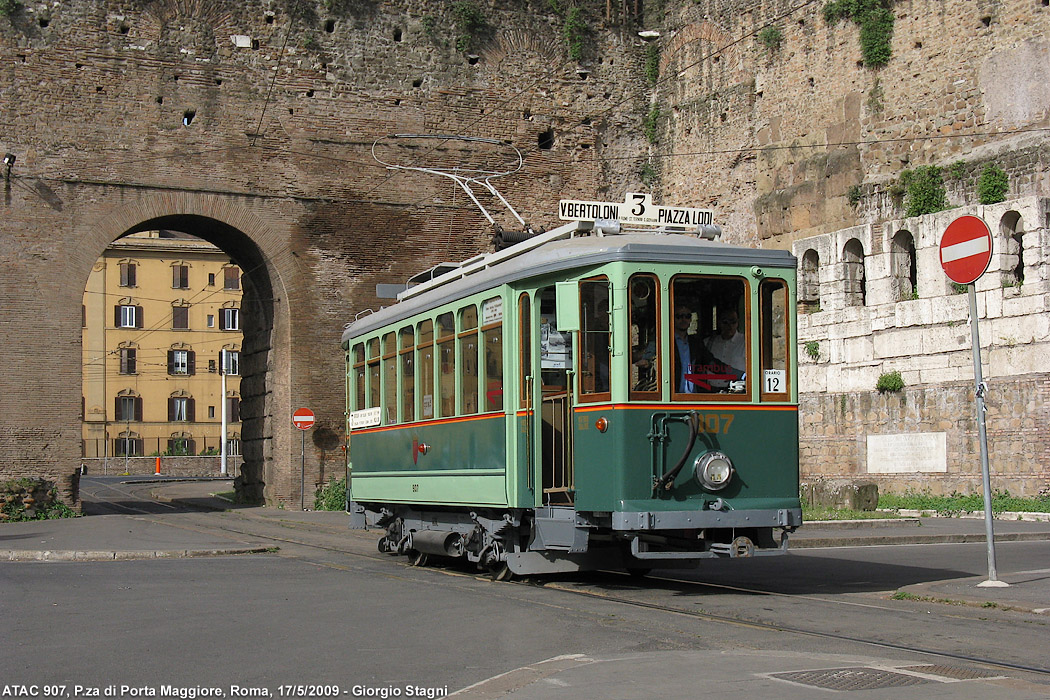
(122, 537)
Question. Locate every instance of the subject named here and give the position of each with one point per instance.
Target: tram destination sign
(637, 208)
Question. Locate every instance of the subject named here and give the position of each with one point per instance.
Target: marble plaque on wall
(907, 453)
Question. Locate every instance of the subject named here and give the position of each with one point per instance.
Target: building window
(127, 274)
(853, 273)
(233, 447)
(180, 317)
(211, 411)
(181, 362)
(128, 360)
(230, 320)
(180, 276)
(127, 446)
(211, 279)
(180, 408)
(181, 446)
(232, 365)
(233, 409)
(809, 285)
(128, 316)
(128, 408)
(904, 267)
(231, 278)
(211, 321)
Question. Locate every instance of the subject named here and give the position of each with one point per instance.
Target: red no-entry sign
(303, 418)
(966, 249)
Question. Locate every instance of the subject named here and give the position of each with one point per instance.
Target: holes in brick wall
(586, 121)
(124, 29)
(724, 117)
(417, 82)
(397, 34)
(188, 116)
(291, 111)
(44, 21)
(160, 99)
(98, 88)
(473, 59)
(545, 141)
(1045, 3)
(860, 64)
(526, 114)
(329, 25)
(78, 65)
(175, 78)
(397, 102)
(811, 82)
(801, 23)
(986, 20)
(309, 93)
(918, 44)
(218, 81)
(269, 18)
(717, 58)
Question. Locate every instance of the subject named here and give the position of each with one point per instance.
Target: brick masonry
(251, 128)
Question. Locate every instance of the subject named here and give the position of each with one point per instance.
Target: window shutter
(138, 408)
(191, 410)
(171, 409)
(235, 410)
(171, 363)
(116, 316)
(117, 414)
(222, 319)
(131, 274)
(191, 362)
(138, 317)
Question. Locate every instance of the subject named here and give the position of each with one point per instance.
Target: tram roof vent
(432, 273)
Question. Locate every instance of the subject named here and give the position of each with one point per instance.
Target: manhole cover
(956, 672)
(860, 678)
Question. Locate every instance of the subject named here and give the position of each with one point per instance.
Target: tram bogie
(585, 401)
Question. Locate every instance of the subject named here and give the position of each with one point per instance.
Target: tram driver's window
(359, 376)
(373, 373)
(594, 337)
(774, 319)
(446, 331)
(555, 346)
(645, 339)
(708, 336)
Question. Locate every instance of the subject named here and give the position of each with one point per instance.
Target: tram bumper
(641, 520)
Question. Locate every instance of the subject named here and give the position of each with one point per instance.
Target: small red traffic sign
(303, 418)
(966, 249)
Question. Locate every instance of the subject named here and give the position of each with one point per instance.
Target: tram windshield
(706, 336)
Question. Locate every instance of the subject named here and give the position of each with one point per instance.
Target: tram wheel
(502, 572)
(416, 558)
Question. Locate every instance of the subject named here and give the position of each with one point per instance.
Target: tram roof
(565, 254)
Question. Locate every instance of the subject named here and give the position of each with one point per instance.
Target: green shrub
(890, 381)
(771, 37)
(813, 349)
(876, 26)
(9, 7)
(958, 503)
(31, 499)
(854, 195)
(652, 63)
(923, 191)
(651, 124)
(575, 32)
(470, 23)
(992, 185)
(331, 496)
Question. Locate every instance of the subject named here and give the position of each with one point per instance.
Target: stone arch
(268, 270)
(1011, 245)
(903, 266)
(853, 273)
(809, 287)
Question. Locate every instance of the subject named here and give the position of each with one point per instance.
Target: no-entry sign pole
(303, 419)
(966, 250)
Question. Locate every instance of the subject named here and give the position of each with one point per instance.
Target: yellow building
(158, 309)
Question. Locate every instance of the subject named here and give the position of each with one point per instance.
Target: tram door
(555, 354)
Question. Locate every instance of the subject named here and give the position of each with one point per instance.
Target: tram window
(525, 319)
(555, 346)
(446, 353)
(373, 372)
(359, 375)
(775, 330)
(406, 345)
(425, 350)
(645, 337)
(468, 353)
(492, 354)
(595, 353)
(708, 336)
(390, 377)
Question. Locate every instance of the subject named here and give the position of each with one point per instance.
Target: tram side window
(468, 353)
(708, 338)
(358, 356)
(525, 319)
(373, 372)
(555, 346)
(406, 344)
(447, 359)
(390, 377)
(595, 352)
(492, 354)
(645, 337)
(775, 328)
(425, 350)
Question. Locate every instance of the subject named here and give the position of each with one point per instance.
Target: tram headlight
(713, 470)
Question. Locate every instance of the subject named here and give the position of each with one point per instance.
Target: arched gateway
(283, 348)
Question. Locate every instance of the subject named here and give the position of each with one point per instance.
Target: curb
(926, 592)
(89, 555)
(860, 541)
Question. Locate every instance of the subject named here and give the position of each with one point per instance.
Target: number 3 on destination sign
(639, 200)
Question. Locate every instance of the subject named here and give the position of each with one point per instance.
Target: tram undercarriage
(557, 539)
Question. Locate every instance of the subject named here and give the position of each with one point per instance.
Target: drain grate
(955, 672)
(858, 678)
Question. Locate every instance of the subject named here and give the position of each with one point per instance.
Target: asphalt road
(346, 616)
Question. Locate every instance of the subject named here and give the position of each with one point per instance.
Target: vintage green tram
(588, 398)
